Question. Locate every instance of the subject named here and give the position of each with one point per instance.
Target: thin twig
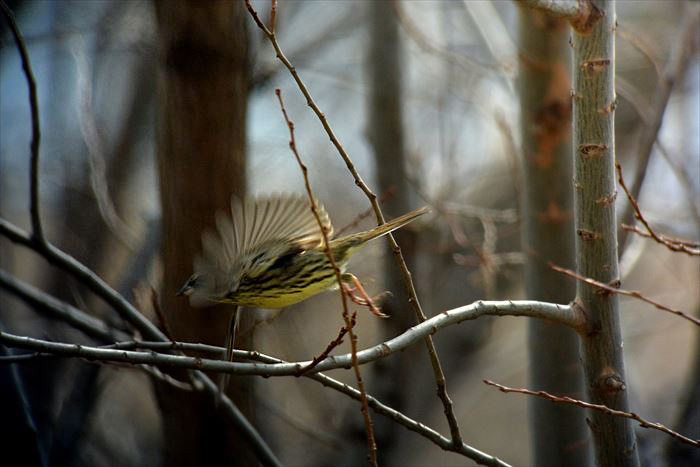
(587, 405)
(22, 357)
(629, 293)
(673, 246)
(37, 230)
(679, 241)
(35, 298)
(369, 428)
(332, 345)
(408, 281)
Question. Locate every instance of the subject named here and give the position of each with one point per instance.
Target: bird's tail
(347, 246)
(394, 224)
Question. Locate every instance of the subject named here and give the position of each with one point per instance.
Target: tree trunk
(202, 99)
(596, 236)
(559, 434)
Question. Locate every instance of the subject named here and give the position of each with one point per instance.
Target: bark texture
(594, 104)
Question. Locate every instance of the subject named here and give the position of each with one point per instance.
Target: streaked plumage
(269, 253)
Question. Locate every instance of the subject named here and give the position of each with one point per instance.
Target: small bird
(270, 254)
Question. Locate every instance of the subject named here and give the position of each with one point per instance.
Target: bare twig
(617, 413)
(679, 241)
(677, 63)
(332, 345)
(58, 309)
(369, 428)
(629, 293)
(671, 245)
(408, 281)
(37, 231)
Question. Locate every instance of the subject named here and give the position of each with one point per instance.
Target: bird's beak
(188, 288)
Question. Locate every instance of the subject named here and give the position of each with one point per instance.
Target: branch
(408, 281)
(617, 413)
(629, 293)
(61, 310)
(562, 314)
(349, 323)
(38, 233)
(679, 241)
(91, 280)
(582, 14)
(671, 245)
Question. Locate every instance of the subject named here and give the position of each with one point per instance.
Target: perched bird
(270, 254)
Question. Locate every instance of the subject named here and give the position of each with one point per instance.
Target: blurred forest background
(425, 98)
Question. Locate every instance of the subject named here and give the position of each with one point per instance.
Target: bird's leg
(230, 343)
(352, 287)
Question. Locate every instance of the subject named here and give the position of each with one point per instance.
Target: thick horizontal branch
(582, 14)
(553, 312)
(601, 408)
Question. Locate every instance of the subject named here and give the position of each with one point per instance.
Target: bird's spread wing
(257, 221)
(254, 224)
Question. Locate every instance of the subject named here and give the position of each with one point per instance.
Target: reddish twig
(671, 245)
(629, 293)
(371, 443)
(601, 408)
(332, 345)
(408, 281)
(273, 15)
(676, 240)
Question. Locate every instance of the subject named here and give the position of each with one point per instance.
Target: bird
(269, 252)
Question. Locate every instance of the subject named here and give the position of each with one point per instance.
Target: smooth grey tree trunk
(594, 102)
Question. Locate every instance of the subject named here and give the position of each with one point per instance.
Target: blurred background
(425, 98)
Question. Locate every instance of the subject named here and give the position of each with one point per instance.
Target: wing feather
(283, 217)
